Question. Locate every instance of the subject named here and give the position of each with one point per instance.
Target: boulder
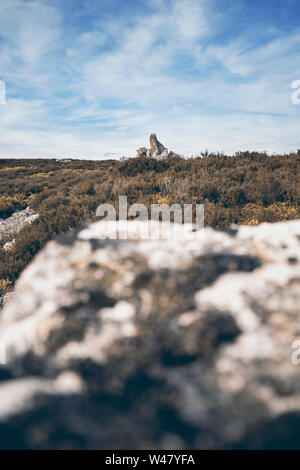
(133, 344)
(142, 152)
(10, 226)
(155, 146)
(157, 150)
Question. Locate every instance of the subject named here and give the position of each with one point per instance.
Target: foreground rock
(144, 344)
(157, 150)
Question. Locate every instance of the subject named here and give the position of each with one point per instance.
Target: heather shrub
(247, 188)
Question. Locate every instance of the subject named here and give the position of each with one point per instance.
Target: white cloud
(267, 60)
(138, 71)
(109, 87)
(29, 29)
(190, 20)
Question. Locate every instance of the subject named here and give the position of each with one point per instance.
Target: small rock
(8, 245)
(12, 225)
(142, 152)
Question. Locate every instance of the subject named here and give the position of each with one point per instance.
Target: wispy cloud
(85, 82)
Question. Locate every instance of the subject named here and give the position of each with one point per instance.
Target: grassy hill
(248, 188)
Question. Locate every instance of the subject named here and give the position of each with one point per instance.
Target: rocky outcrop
(146, 344)
(9, 229)
(12, 225)
(157, 150)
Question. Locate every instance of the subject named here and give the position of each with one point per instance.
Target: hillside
(248, 188)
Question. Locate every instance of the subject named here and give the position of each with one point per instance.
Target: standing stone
(157, 150)
(155, 146)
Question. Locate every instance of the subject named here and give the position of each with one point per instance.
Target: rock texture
(157, 150)
(12, 225)
(9, 229)
(130, 344)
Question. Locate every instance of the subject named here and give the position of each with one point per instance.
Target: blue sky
(93, 78)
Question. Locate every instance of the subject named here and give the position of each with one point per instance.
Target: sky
(94, 78)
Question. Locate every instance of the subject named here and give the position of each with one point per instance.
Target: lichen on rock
(131, 344)
(12, 225)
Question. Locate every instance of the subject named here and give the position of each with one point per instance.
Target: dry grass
(248, 188)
